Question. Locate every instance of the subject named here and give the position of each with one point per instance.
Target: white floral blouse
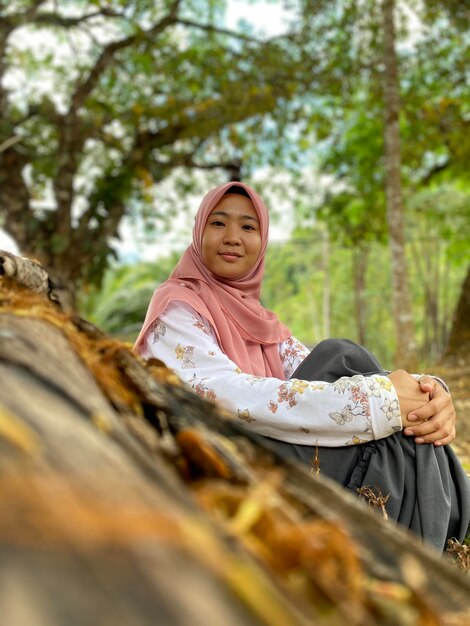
(349, 411)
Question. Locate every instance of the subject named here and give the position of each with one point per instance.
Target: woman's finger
(441, 437)
(440, 427)
(440, 401)
(445, 440)
(428, 384)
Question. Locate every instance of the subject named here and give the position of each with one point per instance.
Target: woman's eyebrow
(243, 217)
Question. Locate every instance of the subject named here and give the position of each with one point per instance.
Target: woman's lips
(230, 256)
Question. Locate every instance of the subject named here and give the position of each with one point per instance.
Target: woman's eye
(217, 223)
(248, 227)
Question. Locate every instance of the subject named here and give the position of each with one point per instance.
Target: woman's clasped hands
(427, 410)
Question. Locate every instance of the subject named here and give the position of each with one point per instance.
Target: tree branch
(52, 19)
(187, 159)
(17, 19)
(48, 18)
(35, 5)
(108, 227)
(8, 143)
(14, 196)
(212, 115)
(5, 30)
(210, 28)
(105, 230)
(72, 138)
(84, 89)
(434, 171)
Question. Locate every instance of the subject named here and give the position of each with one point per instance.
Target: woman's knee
(335, 344)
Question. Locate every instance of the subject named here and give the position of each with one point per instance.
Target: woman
(208, 324)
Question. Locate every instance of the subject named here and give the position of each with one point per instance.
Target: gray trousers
(429, 492)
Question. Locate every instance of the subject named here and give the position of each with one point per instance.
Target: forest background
(352, 121)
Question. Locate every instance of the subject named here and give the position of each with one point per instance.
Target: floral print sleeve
(349, 411)
(292, 353)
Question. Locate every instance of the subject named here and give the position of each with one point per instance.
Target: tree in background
(402, 311)
(135, 89)
(425, 113)
(119, 306)
(154, 86)
(458, 347)
(439, 251)
(439, 124)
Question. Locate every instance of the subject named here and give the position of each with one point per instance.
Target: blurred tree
(439, 241)
(426, 111)
(355, 221)
(402, 311)
(295, 284)
(458, 347)
(112, 97)
(119, 306)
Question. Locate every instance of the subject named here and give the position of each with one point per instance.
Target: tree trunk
(427, 259)
(128, 499)
(458, 346)
(360, 259)
(317, 332)
(326, 285)
(405, 355)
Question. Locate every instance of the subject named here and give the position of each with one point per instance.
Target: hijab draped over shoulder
(247, 333)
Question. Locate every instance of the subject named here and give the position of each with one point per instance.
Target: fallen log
(127, 499)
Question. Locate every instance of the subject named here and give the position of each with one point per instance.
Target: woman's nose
(232, 235)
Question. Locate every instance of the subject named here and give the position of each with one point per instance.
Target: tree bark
(458, 346)
(360, 260)
(427, 259)
(126, 498)
(326, 285)
(405, 355)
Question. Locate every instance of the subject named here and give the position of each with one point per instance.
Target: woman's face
(231, 241)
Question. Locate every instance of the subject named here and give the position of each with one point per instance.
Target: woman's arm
(292, 353)
(349, 411)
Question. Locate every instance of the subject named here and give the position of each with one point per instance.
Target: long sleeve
(349, 411)
(292, 353)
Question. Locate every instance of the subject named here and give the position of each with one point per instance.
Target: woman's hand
(411, 396)
(436, 419)
(426, 408)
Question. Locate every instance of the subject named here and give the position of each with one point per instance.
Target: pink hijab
(247, 332)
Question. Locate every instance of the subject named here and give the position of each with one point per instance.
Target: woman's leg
(333, 358)
(427, 489)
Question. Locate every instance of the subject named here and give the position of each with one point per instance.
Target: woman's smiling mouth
(230, 256)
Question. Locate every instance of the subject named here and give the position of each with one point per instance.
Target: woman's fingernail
(412, 417)
(419, 440)
(408, 431)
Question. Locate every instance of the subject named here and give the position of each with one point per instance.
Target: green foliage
(111, 98)
(119, 306)
(309, 284)
(109, 103)
(348, 119)
(301, 278)
(443, 213)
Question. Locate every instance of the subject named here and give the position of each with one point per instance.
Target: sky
(272, 20)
